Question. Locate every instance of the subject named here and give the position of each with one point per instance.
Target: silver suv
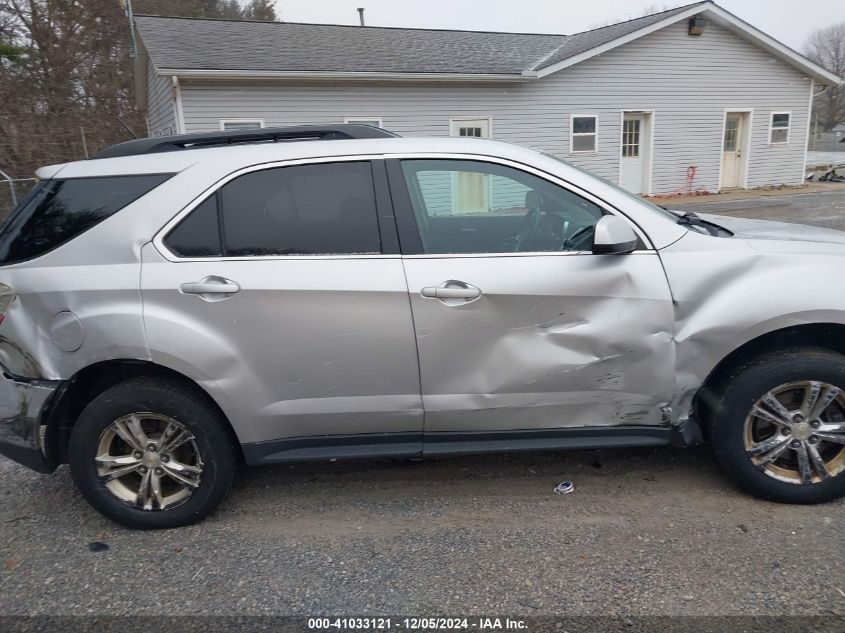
(179, 305)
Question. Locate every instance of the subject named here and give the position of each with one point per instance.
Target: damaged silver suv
(179, 305)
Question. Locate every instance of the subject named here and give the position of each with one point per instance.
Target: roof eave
(188, 73)
(628, 37)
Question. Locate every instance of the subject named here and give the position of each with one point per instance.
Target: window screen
(59, 210)
(780, 128)
(583, 134)
(327, 208)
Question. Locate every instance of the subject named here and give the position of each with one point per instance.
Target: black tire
(183, 404)
(731, 401)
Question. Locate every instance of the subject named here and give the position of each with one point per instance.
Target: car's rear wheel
(778, 426)
(151, 453)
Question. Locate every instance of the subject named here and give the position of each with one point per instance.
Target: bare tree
(67, 74)
(826, 47)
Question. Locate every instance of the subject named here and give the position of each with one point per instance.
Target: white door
(732, 160)
(470, 191)
(632, 169)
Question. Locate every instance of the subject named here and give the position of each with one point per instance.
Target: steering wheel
(580, 240)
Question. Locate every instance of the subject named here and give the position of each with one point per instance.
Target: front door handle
(452, 289)
(212, 288)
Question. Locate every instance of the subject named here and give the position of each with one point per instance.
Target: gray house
(687, 99)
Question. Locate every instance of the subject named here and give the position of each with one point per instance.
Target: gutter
(341, 76)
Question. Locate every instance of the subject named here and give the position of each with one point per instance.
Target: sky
(789, 21)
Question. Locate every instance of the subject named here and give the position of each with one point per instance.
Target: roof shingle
(204, 44)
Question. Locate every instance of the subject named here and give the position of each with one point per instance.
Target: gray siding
(688, 81)
(161, 112)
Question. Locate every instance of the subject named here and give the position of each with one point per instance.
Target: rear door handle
(212, 285)
(452, 289)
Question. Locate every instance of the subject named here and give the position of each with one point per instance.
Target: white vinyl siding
(161, 112)
(689, 81)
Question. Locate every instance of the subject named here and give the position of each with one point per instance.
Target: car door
(282, 293)
(519, 326)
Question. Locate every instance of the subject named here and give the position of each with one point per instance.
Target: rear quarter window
(57, 211)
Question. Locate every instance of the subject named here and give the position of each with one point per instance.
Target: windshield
(669, 215)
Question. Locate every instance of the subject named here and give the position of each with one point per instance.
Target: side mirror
(614, 236)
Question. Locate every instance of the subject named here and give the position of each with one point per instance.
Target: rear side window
(59, 210)
(321, 209)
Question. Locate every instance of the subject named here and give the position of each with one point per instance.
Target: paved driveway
(647, 531)
(825, 208)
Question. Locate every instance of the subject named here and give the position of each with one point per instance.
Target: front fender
(727, 298)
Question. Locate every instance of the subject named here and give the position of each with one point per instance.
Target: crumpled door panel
(553, 341)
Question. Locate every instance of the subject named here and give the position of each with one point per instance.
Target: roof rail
(236, 137)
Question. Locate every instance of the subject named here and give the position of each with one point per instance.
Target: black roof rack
(236, 137)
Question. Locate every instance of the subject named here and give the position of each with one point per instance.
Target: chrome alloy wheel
(149, 461)
(796, 432)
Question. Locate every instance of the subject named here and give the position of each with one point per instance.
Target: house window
(472, 128)
(779, 128)
(241, 124)
(583, 133)
(375, 122)
(630, 138)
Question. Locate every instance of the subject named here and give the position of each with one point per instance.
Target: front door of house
(732, 159)
(470, 191)
(632, 169)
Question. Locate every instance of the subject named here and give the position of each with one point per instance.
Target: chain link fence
(12, 191)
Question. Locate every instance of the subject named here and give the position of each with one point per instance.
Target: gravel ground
(647, 531)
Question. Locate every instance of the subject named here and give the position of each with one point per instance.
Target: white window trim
(788, 127)
(572, 134)
(224, 121)
(358, 119)
(456, 121)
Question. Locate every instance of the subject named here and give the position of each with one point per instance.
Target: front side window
(464, 206)
(583, 133)
(57, 211)
(779, 132)
(320, 209)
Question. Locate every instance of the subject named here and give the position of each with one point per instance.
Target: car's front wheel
(151, 453)
(778, 426)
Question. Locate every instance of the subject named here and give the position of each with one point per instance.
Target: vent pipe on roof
(361, 15)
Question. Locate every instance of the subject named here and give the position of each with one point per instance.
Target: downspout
(816, 123)
(179, 112)
(11, 187)
(807, 138)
